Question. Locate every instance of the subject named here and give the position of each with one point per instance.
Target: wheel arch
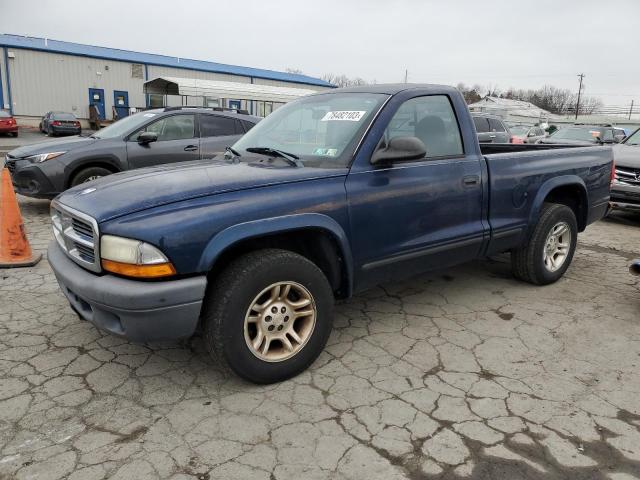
(315, 236)
(110, 164)
(569, 190)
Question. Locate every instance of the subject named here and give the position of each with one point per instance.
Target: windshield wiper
(289, 157)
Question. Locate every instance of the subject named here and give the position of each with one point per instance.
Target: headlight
(41, 157)
(133, 258)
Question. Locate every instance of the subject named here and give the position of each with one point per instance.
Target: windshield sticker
(327, 152)
(149, 115)
(343, 115)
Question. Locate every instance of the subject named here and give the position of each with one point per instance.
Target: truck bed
(490, 148)
(521, 176)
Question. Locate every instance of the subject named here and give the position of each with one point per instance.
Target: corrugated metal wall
(3, 75)
(41, 82)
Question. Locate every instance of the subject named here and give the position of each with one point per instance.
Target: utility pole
(631, 110)
(406, 75)
(581, 76)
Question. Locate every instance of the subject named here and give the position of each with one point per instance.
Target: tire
(15, 134)
(89, 174)
(529, 263)
(238, 287)
(50, 132)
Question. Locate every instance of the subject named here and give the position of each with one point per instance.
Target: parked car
(153, 137)
(8, 124)
(625, 189)
(60, 123)
(381, 182)
(491, 129)
(526, 134)
(585, 135)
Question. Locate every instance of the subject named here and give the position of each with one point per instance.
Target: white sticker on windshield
(149, 115)
(344, 115)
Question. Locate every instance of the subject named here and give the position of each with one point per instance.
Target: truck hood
(627, 155)
(135, 190)
(62, 145)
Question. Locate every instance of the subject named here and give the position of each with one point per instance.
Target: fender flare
(548, 186)
(230, 236)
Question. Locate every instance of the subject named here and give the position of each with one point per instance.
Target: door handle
(471, 180)
(190, 148)
(492, 136)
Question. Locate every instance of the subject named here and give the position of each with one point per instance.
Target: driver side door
(411, 216)
(177, 142)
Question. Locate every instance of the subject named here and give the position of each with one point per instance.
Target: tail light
(56, 123)
(613, 170)
(76, 124)
(11, 121)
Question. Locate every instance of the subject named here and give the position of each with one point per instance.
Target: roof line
(117, 54)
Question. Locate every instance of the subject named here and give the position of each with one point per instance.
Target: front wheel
(268, 315)
(88, 174)
(549, 251)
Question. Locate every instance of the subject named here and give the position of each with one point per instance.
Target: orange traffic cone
(15, 250)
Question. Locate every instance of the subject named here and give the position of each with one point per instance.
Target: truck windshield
(321, 130)
(585, 134)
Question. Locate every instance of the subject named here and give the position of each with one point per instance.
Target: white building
(513, 111)
(38, 75)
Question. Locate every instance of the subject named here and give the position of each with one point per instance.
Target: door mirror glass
(147, 137)
(400, 149)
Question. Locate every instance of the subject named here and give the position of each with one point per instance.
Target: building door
(96, 98)
(121, 103)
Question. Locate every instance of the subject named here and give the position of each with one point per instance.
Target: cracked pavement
(465, 373)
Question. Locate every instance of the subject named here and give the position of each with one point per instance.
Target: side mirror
(399, 149)
(147, 137)
(618, 138)
(532, 134)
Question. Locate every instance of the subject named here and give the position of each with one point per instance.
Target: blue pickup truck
(329, 195)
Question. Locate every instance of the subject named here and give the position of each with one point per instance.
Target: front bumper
(29, 179)
(625, 197)
(140, 311)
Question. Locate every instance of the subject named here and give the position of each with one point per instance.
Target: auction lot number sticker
(344, 115)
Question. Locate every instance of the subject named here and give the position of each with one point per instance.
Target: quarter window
(432, 120)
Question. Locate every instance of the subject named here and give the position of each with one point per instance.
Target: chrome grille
(77, 235)
(628, 175)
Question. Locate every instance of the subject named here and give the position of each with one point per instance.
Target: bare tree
(343, 80)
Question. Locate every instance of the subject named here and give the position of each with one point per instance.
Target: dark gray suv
(152, 137)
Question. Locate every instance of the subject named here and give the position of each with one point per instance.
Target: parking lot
(459, 374)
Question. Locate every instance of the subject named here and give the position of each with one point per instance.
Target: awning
(215, 89)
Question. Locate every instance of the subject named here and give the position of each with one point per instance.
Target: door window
(607, 135)
(432, 120)
(175, 127)
(481, 123)
(496, 125)
(217, 126)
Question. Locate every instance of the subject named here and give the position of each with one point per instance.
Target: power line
(581, 76)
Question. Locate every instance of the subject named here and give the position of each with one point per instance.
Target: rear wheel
(268, 315)
(15, 134)
(549, 251)
(88, 174)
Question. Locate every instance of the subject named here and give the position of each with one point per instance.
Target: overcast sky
(524, 44)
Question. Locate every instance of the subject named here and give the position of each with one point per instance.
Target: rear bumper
(66, 130)
(8, 129)
(140, 311)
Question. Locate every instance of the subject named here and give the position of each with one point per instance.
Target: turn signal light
(156, 270)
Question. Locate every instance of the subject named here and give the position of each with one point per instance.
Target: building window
(137, 71)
